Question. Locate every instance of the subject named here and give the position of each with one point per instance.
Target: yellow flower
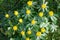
(15, 28)
(16, 13)
(29, 32)
(27, 38)
(28, 12)
(43, 30)
(20, 20)
(29, 3)
(41, 14)
(22, 33)
(51, 13)
(43, 6)
(7, 15)
(33, 22)
(38, 34)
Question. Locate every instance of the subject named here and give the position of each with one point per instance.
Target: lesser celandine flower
(38, 34)
(33, 22)
(29, 3)
(22, 33)
(43, 30)
(15, 28)
(27, 38)
(28, 12)
(16, 13)
(7, 15)
(20, 20)
(41, 14)
(29, 32)
(43, 6)
(51, 13)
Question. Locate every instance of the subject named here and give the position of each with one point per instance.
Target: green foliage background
(8, 6)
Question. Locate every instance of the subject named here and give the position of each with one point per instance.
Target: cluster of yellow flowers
(29, 11)
(42, 31)
(41, 14)
(51, 13)
(15, 28)
(38, 34)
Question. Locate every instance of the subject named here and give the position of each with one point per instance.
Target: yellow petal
(15, 28)
(41, 14)
(7, 15)
(28, 12)
(22, 33)
(33, 22)
(29, 3)
(20, 20)
(43, 6)
(16, 13)
(29, 32)
(38, 34)
(51, 13)
(43, 30)
(27, 38)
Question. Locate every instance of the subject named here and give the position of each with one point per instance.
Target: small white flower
(29, 28)
(44, 34)
(53, 27)
(11, 39)
(44, 24)
(9, 28)
(38, 38)
(13, 33)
